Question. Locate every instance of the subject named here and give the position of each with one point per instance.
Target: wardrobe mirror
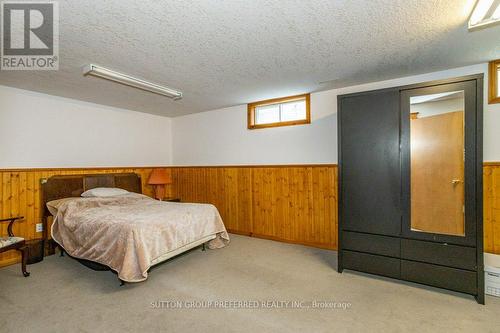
(437, 163)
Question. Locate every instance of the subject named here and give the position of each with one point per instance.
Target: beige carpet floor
(61, 295)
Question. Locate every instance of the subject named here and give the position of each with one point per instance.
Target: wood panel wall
(288, 203)
(491, 199)
(20, 195)
(296, 204)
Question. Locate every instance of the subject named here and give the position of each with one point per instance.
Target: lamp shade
(159, 177)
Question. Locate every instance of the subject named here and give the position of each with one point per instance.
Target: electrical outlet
(39, 227)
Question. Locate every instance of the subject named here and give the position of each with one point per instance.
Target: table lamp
(159, 178)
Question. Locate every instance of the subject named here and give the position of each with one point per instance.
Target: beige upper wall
(221, 137)
(38, 130)
(429, 109)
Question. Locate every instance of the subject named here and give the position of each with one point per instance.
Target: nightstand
(36, 248)
(171, 199)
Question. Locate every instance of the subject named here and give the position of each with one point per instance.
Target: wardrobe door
(369, 156)
(439, 163)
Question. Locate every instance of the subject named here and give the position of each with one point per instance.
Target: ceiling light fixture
(485, 12)
(130, 81)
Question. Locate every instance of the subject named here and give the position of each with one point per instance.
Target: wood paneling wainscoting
(291, 203)
(20, 195)
(491, 199)
(296, 204)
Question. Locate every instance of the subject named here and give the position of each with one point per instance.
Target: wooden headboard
(59, 187)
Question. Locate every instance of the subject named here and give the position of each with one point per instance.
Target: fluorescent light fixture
(485, 12)
(130, 81)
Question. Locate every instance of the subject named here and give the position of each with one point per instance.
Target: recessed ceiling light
(130, 81)
(485, 12)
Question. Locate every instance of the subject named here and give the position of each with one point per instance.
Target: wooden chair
(12, 242)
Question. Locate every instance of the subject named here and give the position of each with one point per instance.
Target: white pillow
(100, 192)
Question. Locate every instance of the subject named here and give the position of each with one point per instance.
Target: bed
(129, 233)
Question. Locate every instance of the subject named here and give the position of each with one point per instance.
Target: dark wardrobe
(410, 183)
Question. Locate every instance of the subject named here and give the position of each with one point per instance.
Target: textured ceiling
(222, 53)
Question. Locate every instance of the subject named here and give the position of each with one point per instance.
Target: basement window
(494, 77)
(287, 111)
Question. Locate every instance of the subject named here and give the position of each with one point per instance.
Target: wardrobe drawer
(374, 244)
(439, 276)
(370, 263)
(438, 253)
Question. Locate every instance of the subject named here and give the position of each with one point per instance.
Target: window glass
(286, 111)
(293, 110)
(267, 114)
(498, 81)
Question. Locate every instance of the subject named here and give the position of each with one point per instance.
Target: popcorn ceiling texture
(223, 53)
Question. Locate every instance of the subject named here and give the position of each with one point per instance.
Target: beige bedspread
(128, 232)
